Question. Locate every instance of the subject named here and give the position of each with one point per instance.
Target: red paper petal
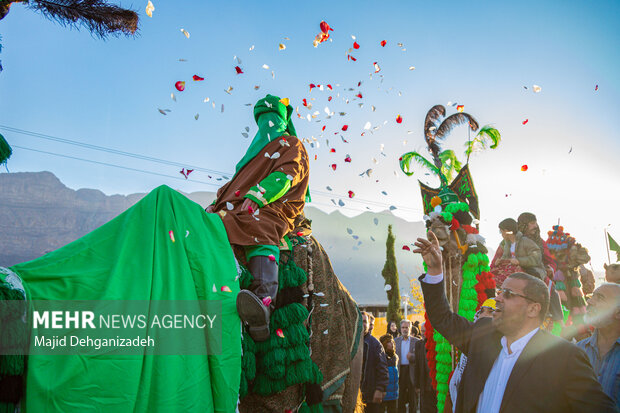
(334, 166)
(351, 58)
(271, 257)
(526, 121)
(305, 103)
(356, 45)
(197, 78)
(383, 43)
(237, 192)
(238, 69)
(524, 168)
(351, 194)
(596, 87)
(406, 248)
(332, 150)
(329, 99)
(399, 119)
(347, 159)
(226, 289)
(329, 87)
(180, 85)
(345, 127)
(189, 171)
(325, 27)
(323, 128)
(171, 234)
(359, 83)
(359, 95)
(312, 85)
(280, 333)
(267, 301)
(460, 108)
(300, 233)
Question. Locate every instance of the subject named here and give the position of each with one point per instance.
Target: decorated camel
(571, 257)
(451, 212)
(313, 363)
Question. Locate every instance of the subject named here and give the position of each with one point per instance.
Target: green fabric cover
(133, 257)
(5, 150)
(269, 109)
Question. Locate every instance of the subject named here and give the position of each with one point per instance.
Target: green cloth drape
(133, 257)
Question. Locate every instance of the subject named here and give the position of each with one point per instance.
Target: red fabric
(431, 354)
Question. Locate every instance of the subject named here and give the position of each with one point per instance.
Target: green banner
(462, 186)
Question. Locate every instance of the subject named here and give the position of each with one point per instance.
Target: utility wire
(166, 162)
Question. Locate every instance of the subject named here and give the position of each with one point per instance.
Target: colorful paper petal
(149, 9)
(197, 78)
(383, 43)
(399, 119)
(180, 85)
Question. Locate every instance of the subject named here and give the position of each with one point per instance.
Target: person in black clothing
(392, 329)
(375, 376)
(423, 382)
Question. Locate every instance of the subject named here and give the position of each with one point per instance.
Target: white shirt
(490, 399)
(404, 349)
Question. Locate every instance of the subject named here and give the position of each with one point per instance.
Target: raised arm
(456, 329)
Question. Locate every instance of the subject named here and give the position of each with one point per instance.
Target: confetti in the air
(149, 9)
(460, 108)
(524, 168)
(180, 85)
(197, 78)
(324, 35)
(351, 194)
(406, 248)
(281, 46)
(377, 68)
(238, 70)
(171, 234)
(229, 206)
(383, 43)
(226, 289)
(356, 45)
(596, 87)
(334, 166)
(267, 301)
(388, 287)
(536, 89)
(399, 119)
(185, 32)
(348, 158)
(280, 333)
(525, 121)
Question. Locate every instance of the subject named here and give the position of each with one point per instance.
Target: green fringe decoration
(5, 150)
(444, 367)
(271, 366)
(447, 217)
(459, 206)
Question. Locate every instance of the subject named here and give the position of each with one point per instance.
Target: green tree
(390, 274)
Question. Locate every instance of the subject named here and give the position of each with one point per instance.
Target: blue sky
(67, 84)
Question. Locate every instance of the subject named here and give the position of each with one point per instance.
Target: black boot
(250, 304)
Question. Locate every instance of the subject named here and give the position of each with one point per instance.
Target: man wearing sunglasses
(513, 366)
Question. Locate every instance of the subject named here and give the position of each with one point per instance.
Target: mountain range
(39, 214)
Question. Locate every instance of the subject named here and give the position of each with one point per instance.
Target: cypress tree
(390, 274)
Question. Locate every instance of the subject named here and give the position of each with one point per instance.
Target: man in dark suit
(375, 375)
(512, 365)
(405, 348)
(423, 382)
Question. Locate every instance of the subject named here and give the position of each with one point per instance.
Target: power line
(111, 150)
(172, 163)
(168, 176)
(114, 166)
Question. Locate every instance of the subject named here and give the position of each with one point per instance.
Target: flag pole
(607, 244)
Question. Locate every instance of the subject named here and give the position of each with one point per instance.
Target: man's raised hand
(431, 253)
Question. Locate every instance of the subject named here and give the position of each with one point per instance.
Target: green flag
(613, 245)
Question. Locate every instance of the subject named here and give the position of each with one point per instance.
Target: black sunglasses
(508, 294)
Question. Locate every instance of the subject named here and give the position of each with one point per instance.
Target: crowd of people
(509, 361)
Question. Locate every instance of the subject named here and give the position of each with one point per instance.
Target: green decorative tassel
(5, 150)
